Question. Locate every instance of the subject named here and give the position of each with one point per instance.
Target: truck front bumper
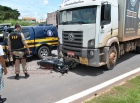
(83, 55)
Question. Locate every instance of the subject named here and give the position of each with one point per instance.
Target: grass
(22, 23)
(128, 92)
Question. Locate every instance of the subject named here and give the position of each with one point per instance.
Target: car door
(29, 36)
(106, 23)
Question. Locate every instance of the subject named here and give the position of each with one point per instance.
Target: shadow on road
(125, 57)
(87, 70)
(94, 71)
(13, 77)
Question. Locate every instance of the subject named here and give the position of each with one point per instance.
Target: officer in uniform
(8, 57)
(16, 43)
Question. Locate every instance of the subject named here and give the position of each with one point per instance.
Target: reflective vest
(16, 40)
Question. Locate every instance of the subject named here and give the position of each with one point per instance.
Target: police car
(40, 39)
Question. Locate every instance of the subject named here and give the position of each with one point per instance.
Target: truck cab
(86, 29)
(97, 32)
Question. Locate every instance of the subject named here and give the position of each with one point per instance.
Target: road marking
(98, 87)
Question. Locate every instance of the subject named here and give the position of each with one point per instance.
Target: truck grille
(72, 41)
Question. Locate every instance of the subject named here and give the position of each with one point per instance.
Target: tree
(8, 13)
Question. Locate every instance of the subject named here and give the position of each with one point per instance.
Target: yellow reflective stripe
(42, 40)
(54, 43)
(29, 41)
(48, 43)
(46, 39)
(38, 44)
(30, 46)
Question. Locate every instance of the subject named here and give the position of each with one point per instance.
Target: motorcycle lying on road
(58, 64)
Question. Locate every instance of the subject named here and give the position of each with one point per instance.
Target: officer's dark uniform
(7, 56)
(16, 40)
(5, 40)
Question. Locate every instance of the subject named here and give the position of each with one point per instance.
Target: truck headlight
(91, 43)
(91, 53)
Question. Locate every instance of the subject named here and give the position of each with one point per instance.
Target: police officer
(16, 43)
(8, 56)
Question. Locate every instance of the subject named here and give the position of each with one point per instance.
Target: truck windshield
(84, 15)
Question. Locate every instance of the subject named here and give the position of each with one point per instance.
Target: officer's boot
(26, 75)
(2, 100)
(17, 76)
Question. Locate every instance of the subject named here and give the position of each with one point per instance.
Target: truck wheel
(43, 52)
(112, 59)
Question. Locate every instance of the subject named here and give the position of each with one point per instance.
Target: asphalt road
(45, 86)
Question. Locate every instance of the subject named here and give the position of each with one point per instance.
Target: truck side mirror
(57, 17)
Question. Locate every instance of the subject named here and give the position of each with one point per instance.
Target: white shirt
(1, 54)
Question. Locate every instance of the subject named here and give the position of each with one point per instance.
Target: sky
(33, 8)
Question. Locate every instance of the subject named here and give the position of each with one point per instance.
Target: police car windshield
(84, 15)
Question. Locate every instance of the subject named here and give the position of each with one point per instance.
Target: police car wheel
(43, 52)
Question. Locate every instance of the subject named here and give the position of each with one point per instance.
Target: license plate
(70, 53)
(83, 60)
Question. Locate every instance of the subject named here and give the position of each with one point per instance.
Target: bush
(21, 22)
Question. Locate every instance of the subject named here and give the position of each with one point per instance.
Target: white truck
(97, 32)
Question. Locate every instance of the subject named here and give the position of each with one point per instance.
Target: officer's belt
(21, 49)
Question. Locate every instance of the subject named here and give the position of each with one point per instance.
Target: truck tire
(112, 59)
(43, 52)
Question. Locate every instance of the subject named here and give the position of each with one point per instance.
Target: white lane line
(98, 87)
